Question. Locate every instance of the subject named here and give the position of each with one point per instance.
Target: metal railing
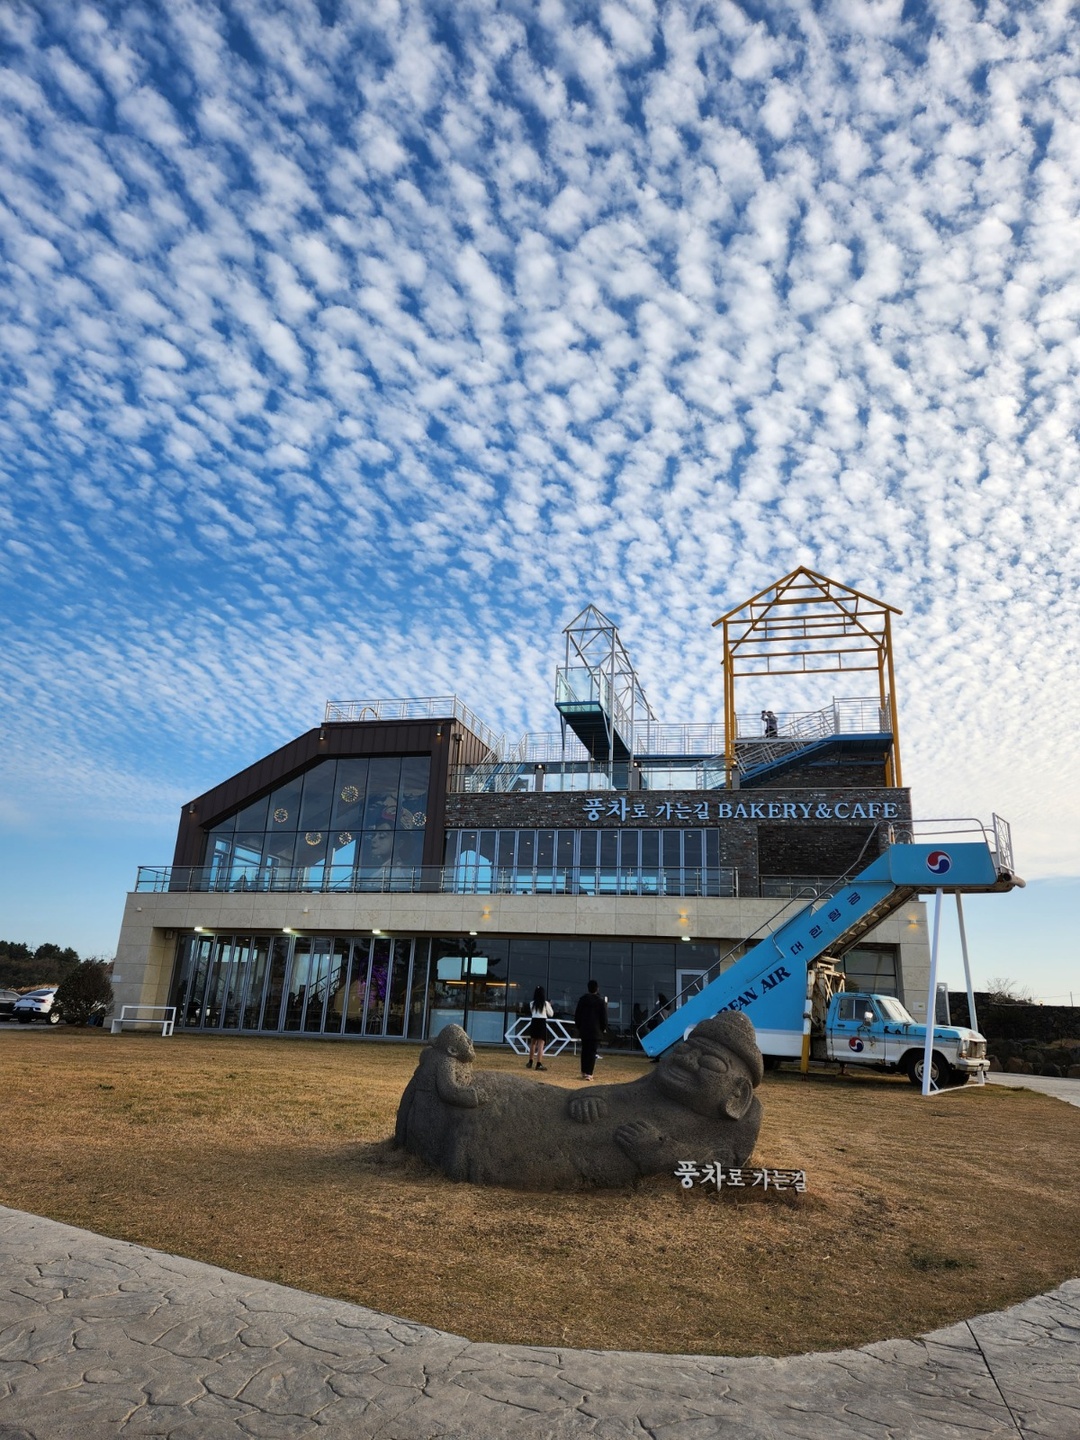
(431, 707)
(720, 881)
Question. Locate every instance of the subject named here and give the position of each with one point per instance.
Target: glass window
(275, 984)
(377, 986)
(260, 951)
(376, 860)
(413, 795)
(398, 989)
(246, 862)
(278, 847)
(384, 779)
(318, 983)
(254, 816)
(285, 805)
(218, 982)
(337, 986)
(568, 972)
(299, 978)
(350, 793)
(343, 849)
(358, 980)
(204, 947)
(871, 968)
(418, 992)
(310, 858)
(528, 968)
(318, 796)
(408, 854)
(237, 981)
(654, 978)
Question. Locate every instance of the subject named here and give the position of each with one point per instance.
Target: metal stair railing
(812, 900)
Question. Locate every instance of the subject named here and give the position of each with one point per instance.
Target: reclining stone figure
(491, 1128)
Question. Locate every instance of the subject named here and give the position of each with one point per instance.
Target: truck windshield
(894, 1010)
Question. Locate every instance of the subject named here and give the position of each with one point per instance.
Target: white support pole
(931, 997)
(973, 1019)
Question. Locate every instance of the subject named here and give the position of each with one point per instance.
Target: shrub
(84, 992)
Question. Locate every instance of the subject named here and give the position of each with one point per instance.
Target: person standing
(539, 1032)
(590, 1017)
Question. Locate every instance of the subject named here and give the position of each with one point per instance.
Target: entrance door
(687, 983)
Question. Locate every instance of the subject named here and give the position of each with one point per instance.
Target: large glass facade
(382, 987)
(351, 824)
(311, 984)
(587, 862)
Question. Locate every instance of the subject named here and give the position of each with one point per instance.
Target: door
(688, 983)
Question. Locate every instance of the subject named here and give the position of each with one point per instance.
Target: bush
(84, 993)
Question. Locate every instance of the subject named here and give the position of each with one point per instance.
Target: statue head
(453, 1041)
(715, 1069)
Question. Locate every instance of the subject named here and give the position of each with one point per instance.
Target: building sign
(601, 809)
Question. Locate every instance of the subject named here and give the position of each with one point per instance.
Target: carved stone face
(706, 1078)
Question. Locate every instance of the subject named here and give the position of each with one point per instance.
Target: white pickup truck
(876, 1030)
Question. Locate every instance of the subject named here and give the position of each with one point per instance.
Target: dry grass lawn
(271, 1157)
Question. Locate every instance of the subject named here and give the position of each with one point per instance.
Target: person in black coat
(590, 1017)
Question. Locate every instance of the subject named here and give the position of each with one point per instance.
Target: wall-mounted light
(286, 930)
(472, 932)
(685, 939)
(376, 932)
(191, 809)
(305, 911)
(200, 929)
(322, 737)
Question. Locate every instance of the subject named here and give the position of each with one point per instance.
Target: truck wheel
(940, 1070)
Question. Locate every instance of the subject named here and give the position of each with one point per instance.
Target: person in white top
(539, 1032)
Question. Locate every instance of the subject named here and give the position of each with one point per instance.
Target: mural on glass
(342, 825)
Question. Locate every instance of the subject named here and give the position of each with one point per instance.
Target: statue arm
(452, 1093)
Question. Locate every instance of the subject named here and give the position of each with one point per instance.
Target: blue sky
(350, 349)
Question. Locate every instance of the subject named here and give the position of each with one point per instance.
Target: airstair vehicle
(769, 981)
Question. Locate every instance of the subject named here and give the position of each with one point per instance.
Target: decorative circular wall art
(281, 815)
(350, 794)
(314, 837)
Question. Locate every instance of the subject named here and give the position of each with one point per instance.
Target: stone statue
(491, 1128)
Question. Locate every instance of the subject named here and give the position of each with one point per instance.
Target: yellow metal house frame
(806, 624)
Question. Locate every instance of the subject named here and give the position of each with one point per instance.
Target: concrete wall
(152, 924)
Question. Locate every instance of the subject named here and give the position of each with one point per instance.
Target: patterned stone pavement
(100, 1338)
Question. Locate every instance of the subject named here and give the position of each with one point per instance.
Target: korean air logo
(939, 862)
(855, 1044)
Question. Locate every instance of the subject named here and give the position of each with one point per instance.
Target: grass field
(272, 1157)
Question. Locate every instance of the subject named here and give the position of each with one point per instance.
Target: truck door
(851, 1036)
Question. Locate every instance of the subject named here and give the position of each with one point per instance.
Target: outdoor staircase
(769, 981)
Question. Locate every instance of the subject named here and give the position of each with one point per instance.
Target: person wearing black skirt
(538, 1031)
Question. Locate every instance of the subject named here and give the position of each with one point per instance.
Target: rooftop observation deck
(683, 757)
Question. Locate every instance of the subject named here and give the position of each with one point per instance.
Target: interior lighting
(200, 929)
(472, 932)
(376, 932)
(685, 939)
(286, 930)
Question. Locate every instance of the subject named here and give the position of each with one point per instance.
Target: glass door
(688, 983)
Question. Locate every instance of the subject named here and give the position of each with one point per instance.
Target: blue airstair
(769, 981)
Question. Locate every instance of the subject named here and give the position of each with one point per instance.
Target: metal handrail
(765, 929)
(686, 880)
(430, 707)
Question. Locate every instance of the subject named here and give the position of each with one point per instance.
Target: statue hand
(637, 1136)
(586, 1109)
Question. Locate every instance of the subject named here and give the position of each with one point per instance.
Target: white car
(37, 1005)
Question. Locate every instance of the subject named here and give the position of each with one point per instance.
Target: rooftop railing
(440, 879)
(431, 707)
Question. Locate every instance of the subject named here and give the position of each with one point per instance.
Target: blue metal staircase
(769, 981)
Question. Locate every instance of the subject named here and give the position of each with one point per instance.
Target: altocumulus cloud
(351, 348)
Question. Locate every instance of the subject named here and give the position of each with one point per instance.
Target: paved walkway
(1063, 1089)
(100, 1338)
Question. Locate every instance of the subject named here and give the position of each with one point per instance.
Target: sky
(350, 349)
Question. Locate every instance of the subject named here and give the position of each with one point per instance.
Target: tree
(84, 992)
(21, 967)
(1003, 991)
